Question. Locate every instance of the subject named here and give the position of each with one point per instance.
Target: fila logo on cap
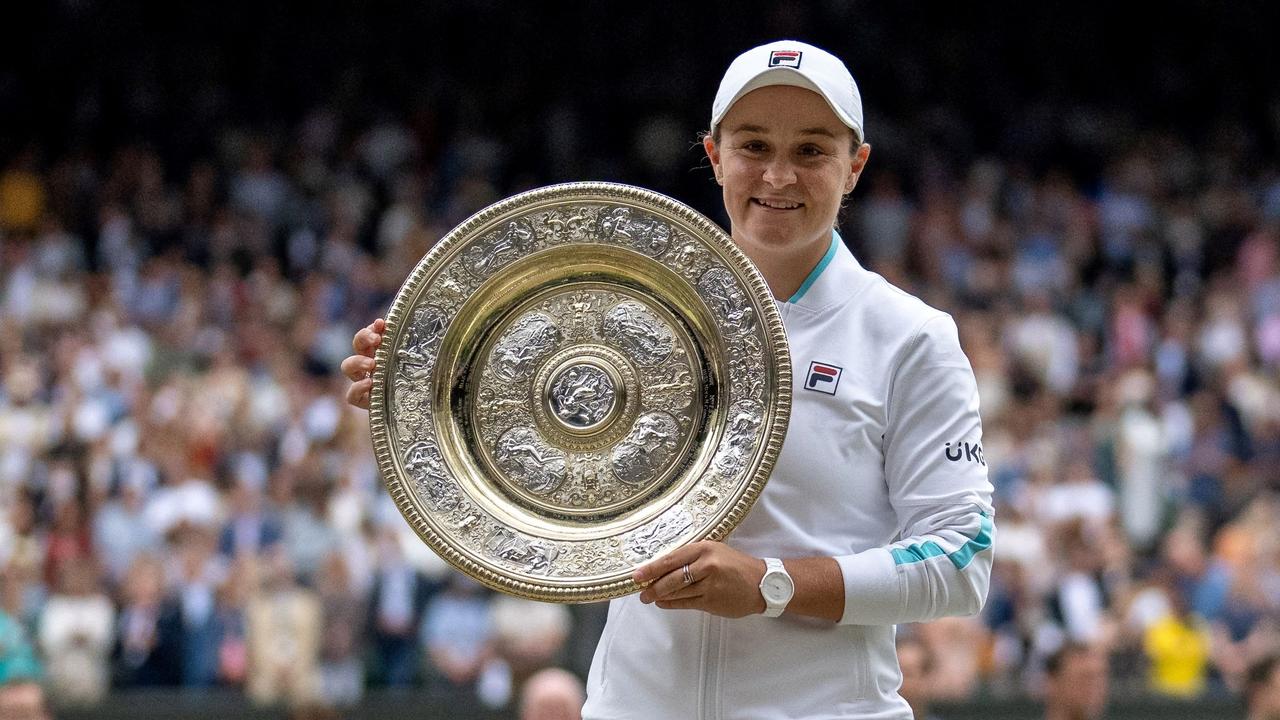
(823, 378)
(785, 58)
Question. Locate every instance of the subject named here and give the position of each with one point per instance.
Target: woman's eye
(811, 150)
(754, 146)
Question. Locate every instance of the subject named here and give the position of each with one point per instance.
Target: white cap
(790, 62)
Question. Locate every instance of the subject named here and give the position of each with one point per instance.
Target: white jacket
(882, 469)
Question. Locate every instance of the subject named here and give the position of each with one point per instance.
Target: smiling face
(785, 161)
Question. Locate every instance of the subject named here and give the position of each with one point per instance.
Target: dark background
(566, 86)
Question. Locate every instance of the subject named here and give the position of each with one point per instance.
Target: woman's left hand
(720, 580)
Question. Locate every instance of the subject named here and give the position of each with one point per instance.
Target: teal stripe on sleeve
(960, 558)
(916, 553)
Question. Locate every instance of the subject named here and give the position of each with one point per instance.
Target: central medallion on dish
(583, 396)
(588, 401)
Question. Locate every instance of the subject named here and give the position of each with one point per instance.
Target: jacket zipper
(712, 663)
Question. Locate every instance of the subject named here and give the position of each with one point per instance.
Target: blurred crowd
(187, 501)
(1126, 341)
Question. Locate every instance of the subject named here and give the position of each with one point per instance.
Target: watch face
(777, 587)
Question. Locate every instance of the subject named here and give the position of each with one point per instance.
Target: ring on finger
(688, 576)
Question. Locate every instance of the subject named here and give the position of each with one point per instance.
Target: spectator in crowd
(283, 635)
(23, 699)
(197, 574)
(68, 541)
(1143, 459)
(552, 694)
(250, 528)
(21, 694)
(1076, 683)
(18, 661)
(955, 652)
(25, 590)
(120, 532)
(1262, 689)
(77, 631)
(528, 636)
(306, 536)
(149, 638)
(399, 595)
(341, 645)
(1178, 648)
(1080, 602)
(457, 632)
(230, 621)
(1204, 581)
(916, 660)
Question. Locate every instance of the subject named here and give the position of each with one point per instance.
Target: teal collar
(836, 241)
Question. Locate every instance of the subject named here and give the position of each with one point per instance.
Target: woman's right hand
(359, 367)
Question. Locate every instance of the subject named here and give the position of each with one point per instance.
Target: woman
(878, 506)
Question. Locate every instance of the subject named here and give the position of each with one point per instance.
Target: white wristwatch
(776, 586)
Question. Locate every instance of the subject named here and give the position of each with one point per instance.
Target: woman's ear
(713, 154)
(857, 164)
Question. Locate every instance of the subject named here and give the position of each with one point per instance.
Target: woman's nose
(779, 172)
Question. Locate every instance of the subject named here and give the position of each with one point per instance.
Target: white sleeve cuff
(872, 588)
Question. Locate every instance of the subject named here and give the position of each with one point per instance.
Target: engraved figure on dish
(727, 299)
(424, 331)
(644, 453)
(649, 540)
(646, 233)
(440, 493)
(582, 395)
(741, 435)
(516, 240)
(514, 356)
(418, 352)
(423, 462)
(535, 556)
(676, 388)
(639, 333)
(685, 257)
(423, 459)
(529, 461)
